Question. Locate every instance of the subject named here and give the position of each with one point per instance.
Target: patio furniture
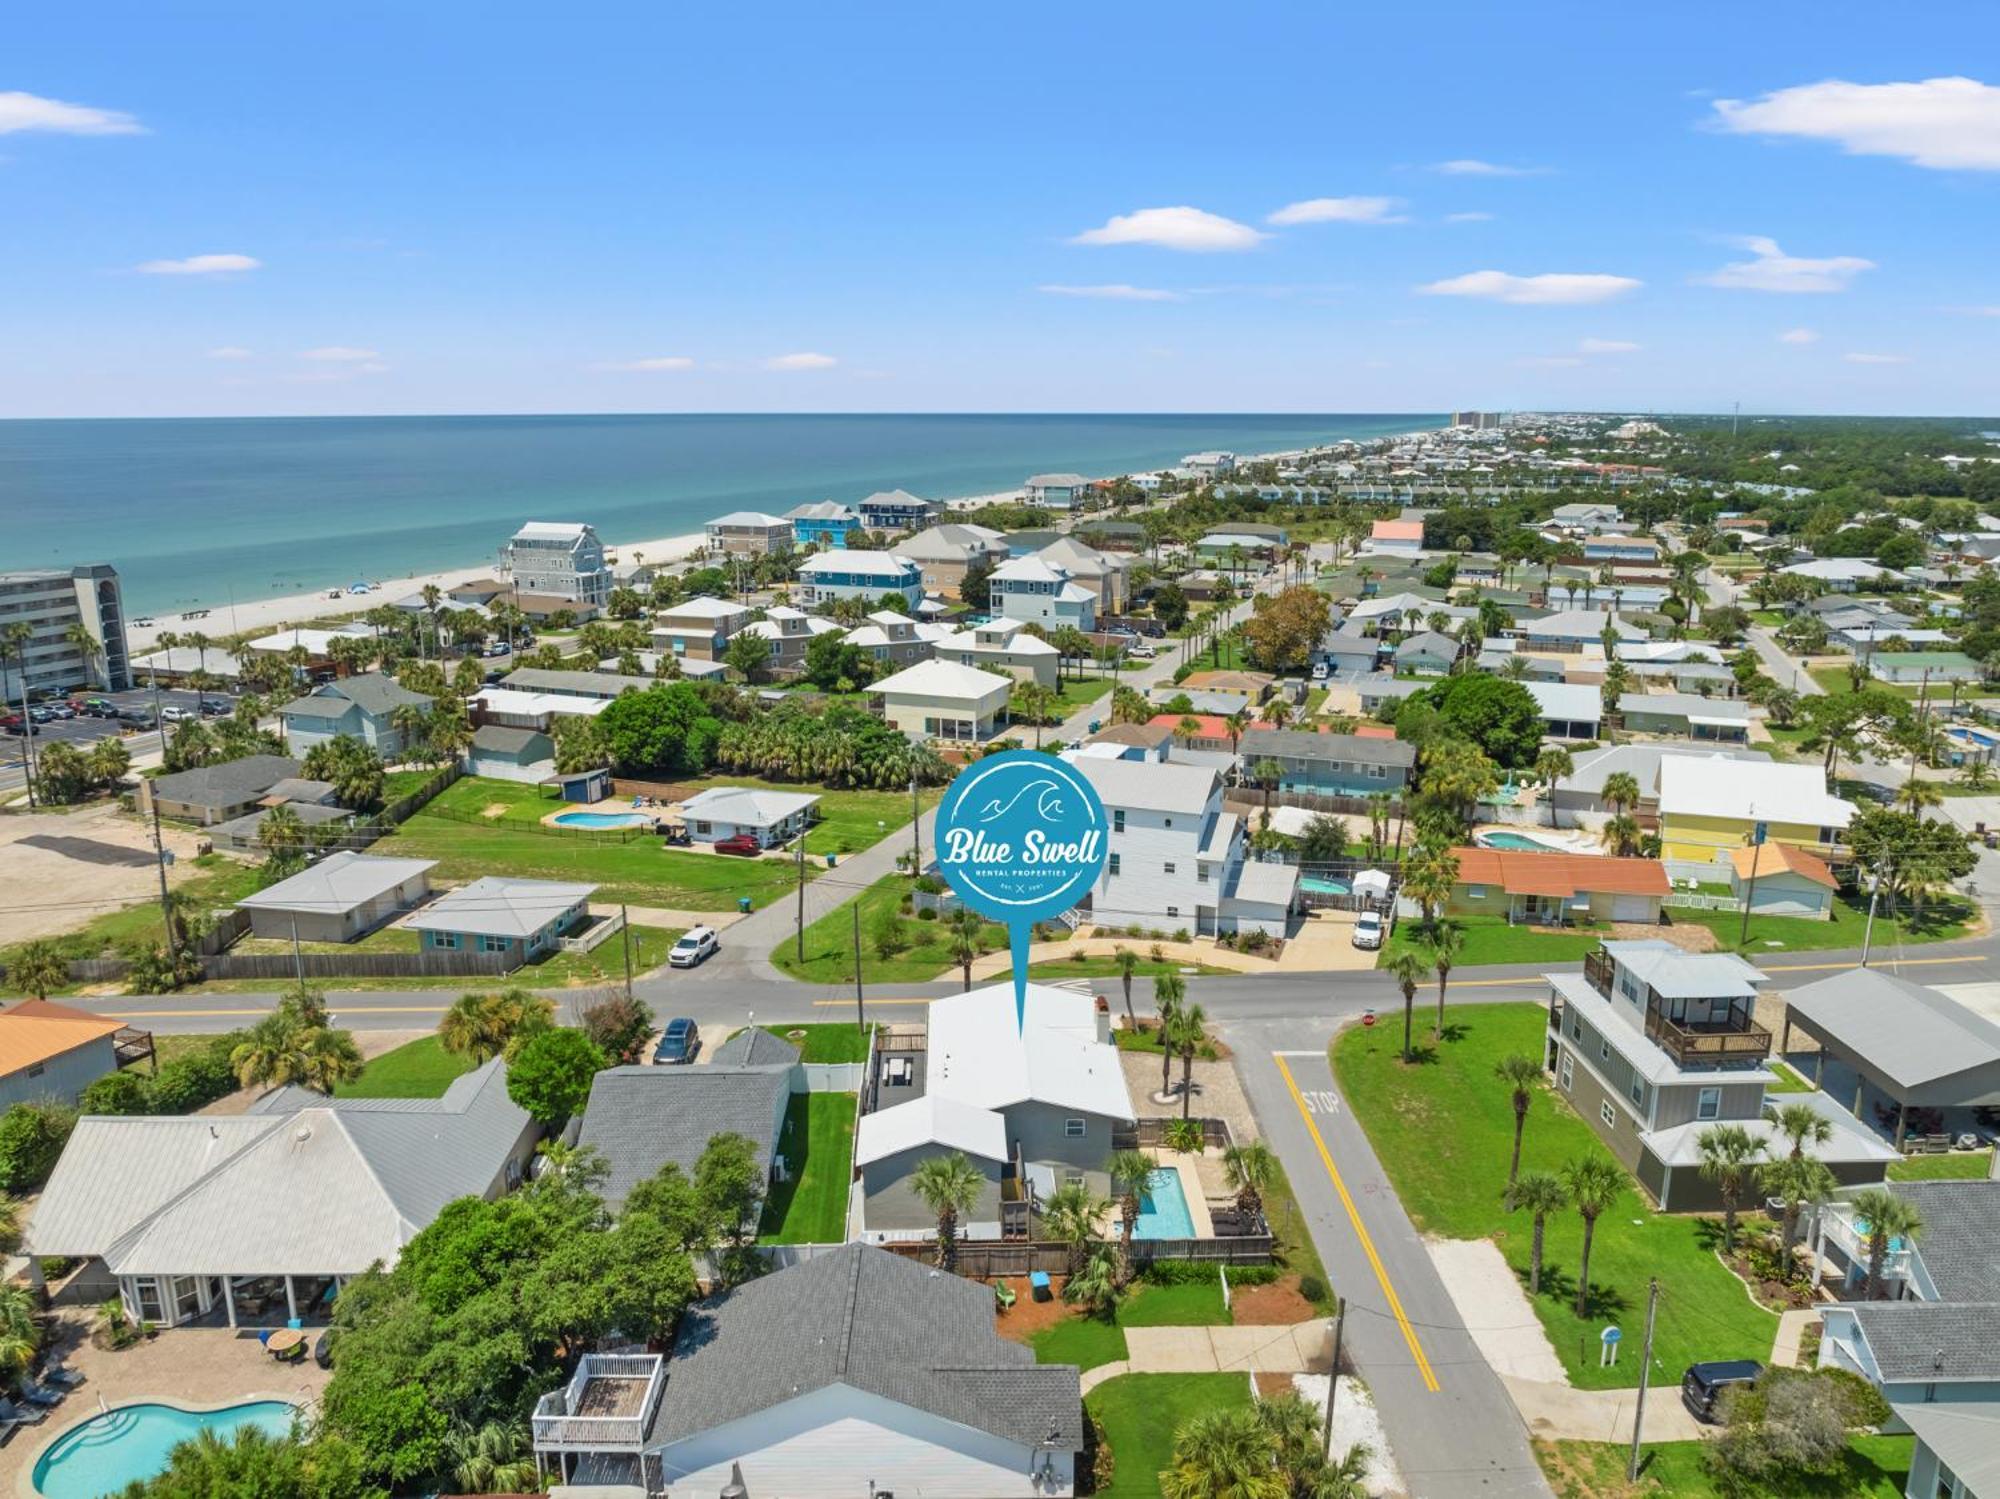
(1003, 1295)
(1038, 1285)
(12, 1415)
(42, 1395)
(61, 1378)
(286, 1344)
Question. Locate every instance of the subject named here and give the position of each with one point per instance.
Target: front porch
(233, 1301)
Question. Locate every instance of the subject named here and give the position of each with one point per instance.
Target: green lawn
(1195, 1305)
(829, 941)
(1442, 1129)
(1140, 1414)
(1788, 1079)
(1835, 682)
(397, 784)
(1106, 966)
(849, 821)
(1943, 921)
(810, 1205)
(603, 964)
(1294, 1248)
(1959, 1165)
(1489, 939)
(1075, 693)
(382, 939)
(640, 873)
(1877, 1467)
(832, 1041)
(420, 1069)
(1083, 1341)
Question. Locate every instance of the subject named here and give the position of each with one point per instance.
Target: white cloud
(1876, 358)
(1545, 290)
(1798, 336)
(1474, 217)
(1182, 228)
(339, 354)
(1340, 211)
(23, 112)
(1773, 270)
(1606, 346)
(1115, 292)
(229, 351)
(1944, 123)
(801, 362)
(1550, 361)
(201, 265)
(1466, 166)
(650, 364)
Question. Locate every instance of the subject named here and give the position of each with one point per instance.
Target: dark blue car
(679, 1045)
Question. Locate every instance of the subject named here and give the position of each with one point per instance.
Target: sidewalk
(1218, 1350)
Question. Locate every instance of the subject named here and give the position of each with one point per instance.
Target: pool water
(1318, 886)
(133, 1442)
(600, 819)
(1163, 1209)
(1517, 841)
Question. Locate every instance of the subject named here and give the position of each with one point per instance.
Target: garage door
(1631, 908)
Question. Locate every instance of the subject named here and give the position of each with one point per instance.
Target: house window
(1567, 1072)
(1200, 873)
(1475, 892)
(1118, 820)
(1169, 822)
(1174, 911)
(488, 943)
(1638, 1090)
(1167, 868)
(1603, 1050)
(37, 1070)
(1605, 1113)
(1073, 1129)
(1708, 1104)
(446, 940)
(1947, 1483)
(1114, 863)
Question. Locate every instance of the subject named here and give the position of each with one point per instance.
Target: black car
(1703, 1384)
(215, 707)
(679, 1045)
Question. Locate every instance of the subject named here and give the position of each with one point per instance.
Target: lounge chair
(42, 1395)
(61, 1378)
(15, 1415)
(1003, 1295)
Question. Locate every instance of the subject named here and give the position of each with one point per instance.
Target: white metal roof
(1149, 785)
(944, 679)
(1717, 786)
(548, 530)
(1030, 570)
(844, 560)
(538, 704)
(979, 1057)
(338, 882)
(751, 519)
(1567, 702)
(707, 606)
(498, 906)
(746, 806)
(931, 1120)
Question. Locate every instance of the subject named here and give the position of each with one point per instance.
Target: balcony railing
(1693, 1047)
(606, 1406)
(1597, 971)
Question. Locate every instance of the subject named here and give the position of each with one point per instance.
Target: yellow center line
(1360, 1228)
(240, 1014)
(826, 1003)
(1877, 962)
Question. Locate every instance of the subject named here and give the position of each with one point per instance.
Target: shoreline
(264, 616)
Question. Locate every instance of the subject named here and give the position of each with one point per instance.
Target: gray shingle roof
(1932, 1341)
(1351, 749)
(873, 1321)
(501, 739)
(226, 784)
(1961, 1228)
(371, 692)
(640, 1118)
(754, 1047)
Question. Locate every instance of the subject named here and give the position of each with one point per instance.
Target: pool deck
(610, 807)
(1548, 840)
(195, 1368)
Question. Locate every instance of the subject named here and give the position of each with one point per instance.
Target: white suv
(1368, 929)
(696, 943)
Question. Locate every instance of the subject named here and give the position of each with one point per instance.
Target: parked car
(696, 944)
(143, 717)
(741, 843)
(1702, 1385)
(497, 648)
(679, 1044)
(97, 707)
(1143, 652)
(61, 711)
(216, 707)
(13, 723)
(173, 713)
(1368, 930)
(675, 834)
(1322, 670)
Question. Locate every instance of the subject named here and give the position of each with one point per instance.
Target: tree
(1621, 790)
(665, 728)
(551, 1075)
(1098, 1281)
(1170, 606)
(1522, 1074)
(748, 654)
(1324, 839)
(1539, 1194)
(1443, 944)
(37, 967)
(1250, 1170)
(482, 1026)
(353, 768)
(296, 1044)
(1224, 1454)
(280, 833)
(975, 586)
(1498, 715)
(1429, 873)
(1169, 994)
(619, 1027)
(32, 1136)
(1130, 1171)
(949, 1185)
(1799, 1182)
(1286, 630)
(1552, 764)
(1408, 968)
(1185, 1034)
(1888, 1217)
(1788, 1432)
(1593, 1183)
(1128, 964)
(1729, 1155)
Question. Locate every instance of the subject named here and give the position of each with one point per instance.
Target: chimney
(1103, 1020)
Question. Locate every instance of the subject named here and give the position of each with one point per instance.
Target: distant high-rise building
(558, 560)
(78, 622)
(1479, 421)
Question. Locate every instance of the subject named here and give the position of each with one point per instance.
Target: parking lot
(83, 731)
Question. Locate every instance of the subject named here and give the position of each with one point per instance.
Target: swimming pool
(600, 819)
(1313, 885)
(1163, 1209)
(1519, 841)
(1967, 734)
(133, 1442)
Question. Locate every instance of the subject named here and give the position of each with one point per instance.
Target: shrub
(618, 1027)
(930, 884)
(1313, 1289)
(551, 1076)
(117, 1093)
(1181, 935)
(32, 1136)
(1193, 1272)
(927, 913)
(196, 1080)
(1157, 953)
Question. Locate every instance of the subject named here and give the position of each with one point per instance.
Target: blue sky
(226, 208)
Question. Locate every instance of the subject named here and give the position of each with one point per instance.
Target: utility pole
(625, 931)
(298, 958)
(799, 949)
(160, 861)
(1645, 1369)
(916, 833)
(1333, 1378)
(1868, 931)
(860, 1015)
(1757, 832)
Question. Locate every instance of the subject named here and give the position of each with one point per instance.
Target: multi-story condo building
(561, 560)
(749, 533)
(1035, 592)
(944, 553)
(825, 524)
(78, 622)
(897, 510)
(698, 629)
(1058, 491)
(1652, 1045)
(845, 574)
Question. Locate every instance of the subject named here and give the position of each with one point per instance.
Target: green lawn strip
(1075, 693)
(1788, 1079)
(810, 1205)
(382, 939)
(829, 941)
(1489, 939)
(603, 965)
(1140, 1414)
(1442, 1129)
(1195, 1305)
(172, 1048)
(1959, 1165)
(1083, 1341)
(849, 821)
(1104, 965)
(830, 1041)
(1943, 921)
(1294, 1249)
(639, 872)
(1876, 1467)
(397, 784)
(418, 1069)
(1836, 683)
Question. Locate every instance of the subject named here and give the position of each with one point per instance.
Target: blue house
(897, 510)
(826, 524)
(858, 575)
(1330, 764)
(362, 707)
(526, 919)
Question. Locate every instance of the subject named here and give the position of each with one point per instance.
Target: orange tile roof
(1372, 731)
(1782, 858)
(34, 1031)
(1520, 872)
(1213, 725)
(1398, 530)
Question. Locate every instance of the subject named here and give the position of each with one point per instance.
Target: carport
(1917, 1047)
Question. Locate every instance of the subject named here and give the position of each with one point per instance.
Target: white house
(558, 560)
(1209, 464)
(342, 898)
(699, 628)
(1057, 491)
(771, 817)
(1569, 710)
(1840, 574)
(749, 533)
(847, 574)
(944, 700)
(1003, 645)
(1038, 592)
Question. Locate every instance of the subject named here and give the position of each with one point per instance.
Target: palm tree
(1096, 1282)
(280, 832)
(949, 1185)
(1443, 944)
(1729, 1155)
(77, 636)
(1070, 1216)
(326, 1059)
(1250, 1169)
(1169, 991)
(1593, 1183)
(38, 967)
(1522, 1074)
(1408, 968)
(1886, 1217)
(1186, 1034)
(1799, 1182)
(1621, 790)
(964, 928)
(1539, 1193)
(1917, 795)
(1128, 964)
(1552, 764)
(1224, 1454)
(14, 641)
(1130, 1171)
(1800, 1123)
(490, 1460)
(20, 1330)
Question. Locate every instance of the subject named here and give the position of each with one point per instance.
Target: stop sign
(1367, 1017)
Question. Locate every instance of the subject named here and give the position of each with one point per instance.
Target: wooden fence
(986, 1259)
(407, 805)
(1246, 801)
(1150, 1133)
(283, 967)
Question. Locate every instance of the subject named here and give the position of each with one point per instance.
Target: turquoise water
(1517, 841)
(602, 819)
(1163, 1209)
(191, 511)
(133, 1442)
(1322, 887)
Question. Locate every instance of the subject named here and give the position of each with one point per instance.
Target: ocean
(194, 513)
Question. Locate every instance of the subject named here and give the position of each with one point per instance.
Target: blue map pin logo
(1021, 837)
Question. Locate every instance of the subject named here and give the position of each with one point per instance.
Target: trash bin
(831, 860)
(743, 904)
